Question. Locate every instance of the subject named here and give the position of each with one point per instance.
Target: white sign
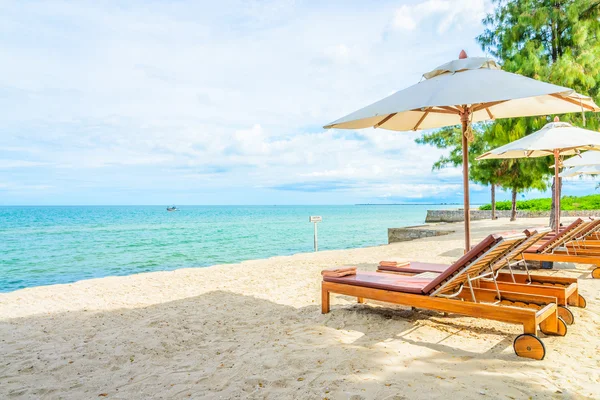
(315, 219)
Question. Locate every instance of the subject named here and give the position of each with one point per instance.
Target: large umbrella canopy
(556, 139)
(464, 91)
(477, 84)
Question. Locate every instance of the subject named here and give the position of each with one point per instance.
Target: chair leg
(573, 299)
(554, 325)
(324, 301)
(360, 299)
(530, 327)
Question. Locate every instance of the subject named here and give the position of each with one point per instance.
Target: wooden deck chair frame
(457, 294)
(582, 244)
(557, 251)
(563, 291)
(583, 241)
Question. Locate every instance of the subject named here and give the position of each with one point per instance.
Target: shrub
(591, 202)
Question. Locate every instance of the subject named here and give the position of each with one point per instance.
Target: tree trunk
(552, 219)
(513, 211)
(493, 201)
(554, 32)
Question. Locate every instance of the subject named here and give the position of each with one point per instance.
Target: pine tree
(515, 175)
(551, 40)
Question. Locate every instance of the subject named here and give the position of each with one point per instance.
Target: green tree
(519, 175)
(551, 40)
(515, 175)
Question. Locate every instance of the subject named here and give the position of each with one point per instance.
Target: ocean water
(49, 245)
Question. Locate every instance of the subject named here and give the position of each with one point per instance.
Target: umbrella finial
(462, 55)
(556, 119)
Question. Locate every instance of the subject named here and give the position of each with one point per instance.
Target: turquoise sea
(48, 245)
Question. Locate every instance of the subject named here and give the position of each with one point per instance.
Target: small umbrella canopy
(581, 170)
(587, 158)
(561, 136)
(556, 139)
(464, 91)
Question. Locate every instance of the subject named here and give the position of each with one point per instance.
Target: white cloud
(251, 141)
(161, 97)
(19, 164)
(445, 12)
(342, 53)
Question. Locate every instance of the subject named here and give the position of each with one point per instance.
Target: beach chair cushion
(445, 270)
(416, 267)
(423, 284)
(339, 271)
(396, 283)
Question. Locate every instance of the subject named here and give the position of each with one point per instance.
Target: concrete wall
(412, 233)
(458, 214)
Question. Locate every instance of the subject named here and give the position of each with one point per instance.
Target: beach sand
(254, 330)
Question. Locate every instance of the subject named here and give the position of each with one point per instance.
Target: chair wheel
(596, 273)
(566, 315)
(581, 301)
(529, 346)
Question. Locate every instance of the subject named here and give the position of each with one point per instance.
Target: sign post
(315, 220)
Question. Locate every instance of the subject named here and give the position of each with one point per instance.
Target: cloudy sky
(190, 102)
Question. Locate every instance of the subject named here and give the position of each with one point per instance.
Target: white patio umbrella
(460, 92)
(587, 163)
(581, 170)
(584, 159)
(554, 139)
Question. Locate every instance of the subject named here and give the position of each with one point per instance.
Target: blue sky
(189, 102)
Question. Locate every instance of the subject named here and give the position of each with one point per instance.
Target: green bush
(591, 202)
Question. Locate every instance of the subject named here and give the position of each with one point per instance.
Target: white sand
(254, 330)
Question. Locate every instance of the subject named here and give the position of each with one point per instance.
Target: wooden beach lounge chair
(586, 239)
(564, 290)
(556, 249)
(453, 291)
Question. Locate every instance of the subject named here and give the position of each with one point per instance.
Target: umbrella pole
(556, 193)
(464, 117)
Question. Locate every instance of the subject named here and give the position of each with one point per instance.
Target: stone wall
(457, 215)
(413, 232)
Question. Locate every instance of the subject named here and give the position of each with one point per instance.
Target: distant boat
(172, 208)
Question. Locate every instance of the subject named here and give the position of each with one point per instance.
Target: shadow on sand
(226, 345)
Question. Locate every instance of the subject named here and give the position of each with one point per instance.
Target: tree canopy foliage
(551, 40)
(556, 41)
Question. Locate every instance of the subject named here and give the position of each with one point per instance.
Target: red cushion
(417, 267)
(411, 284)
(375, 280)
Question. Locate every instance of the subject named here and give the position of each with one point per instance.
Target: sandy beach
(254, 330)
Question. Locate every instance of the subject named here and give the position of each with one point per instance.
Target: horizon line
(237, 205)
